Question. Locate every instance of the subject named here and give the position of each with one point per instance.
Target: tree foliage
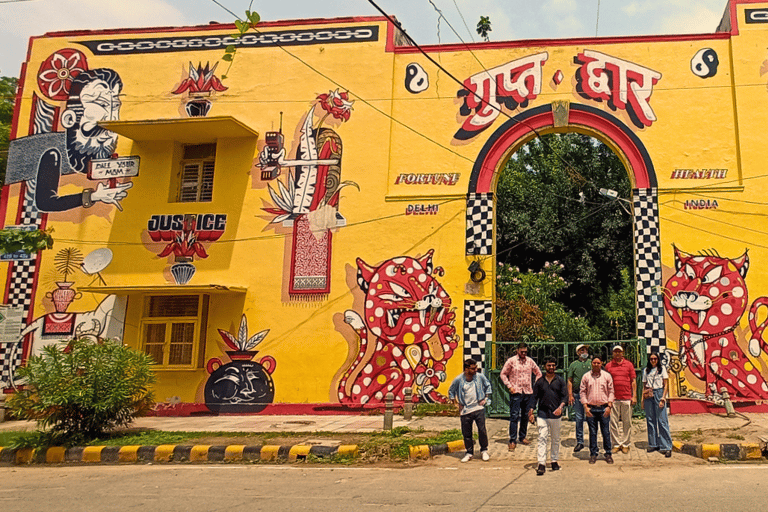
(526, 305)
(7, 99)
(549, 208)
(80, 391)
(484, 28)
(15, 240)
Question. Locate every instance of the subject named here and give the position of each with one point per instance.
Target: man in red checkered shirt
(516, 375)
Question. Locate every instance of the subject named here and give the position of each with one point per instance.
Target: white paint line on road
(761, 466)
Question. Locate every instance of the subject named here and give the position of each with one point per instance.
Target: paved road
(441, 484)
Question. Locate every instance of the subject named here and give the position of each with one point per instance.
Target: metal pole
(728, 405)
(407, 404)
(2, 407)
(389, 410)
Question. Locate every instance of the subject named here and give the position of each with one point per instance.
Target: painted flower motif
(57, 72)
(337, 104)
(185, 244)
(200, 80)
(430, 374)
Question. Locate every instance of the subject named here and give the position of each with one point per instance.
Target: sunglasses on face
(653, 358)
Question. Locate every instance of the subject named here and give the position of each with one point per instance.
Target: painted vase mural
(63, 296)
(242, 385)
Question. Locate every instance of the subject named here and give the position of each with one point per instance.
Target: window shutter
(190, 178)
(206, 183)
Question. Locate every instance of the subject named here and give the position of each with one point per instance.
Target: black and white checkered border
(20, 288)
(479, 223)
(478, 329)
(650, 310)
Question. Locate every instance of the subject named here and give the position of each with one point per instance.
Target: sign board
(19, 255)
(11, 318)
(111, 168)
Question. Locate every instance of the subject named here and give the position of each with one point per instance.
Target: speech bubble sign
(111, 168)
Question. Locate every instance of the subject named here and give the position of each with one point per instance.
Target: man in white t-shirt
(472, 391)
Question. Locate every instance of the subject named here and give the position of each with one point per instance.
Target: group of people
(602, 397)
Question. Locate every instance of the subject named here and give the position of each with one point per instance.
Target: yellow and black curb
(726, 451)
(423, 451)
(172, 453)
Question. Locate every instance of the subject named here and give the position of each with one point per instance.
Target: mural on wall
(416, 79)
(621, 84)
(405, 334)
(624, 85)
(704, 63)
(706, 298)
(243, 384)
(185, 234)
(106, 321)
(308, 200)
(41, 159)
(511, 85)
(200, 84)
(66, 262)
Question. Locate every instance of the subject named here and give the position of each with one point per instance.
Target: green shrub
(79, 392)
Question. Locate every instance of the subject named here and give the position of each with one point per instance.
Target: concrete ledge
(171, 453)
(726, 451)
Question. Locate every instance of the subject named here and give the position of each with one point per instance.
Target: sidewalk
(497, 430)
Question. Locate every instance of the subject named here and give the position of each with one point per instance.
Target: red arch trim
(541, 118)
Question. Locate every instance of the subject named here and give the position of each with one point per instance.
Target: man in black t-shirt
(550, 394)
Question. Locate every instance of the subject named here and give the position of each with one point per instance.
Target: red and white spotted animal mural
(405, 334)
(706, 297)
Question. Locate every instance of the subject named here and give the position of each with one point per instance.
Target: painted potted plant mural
(66, 262)
(200, 84)
(241, 385)
(184, 247)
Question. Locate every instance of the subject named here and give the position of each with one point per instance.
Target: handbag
(647, 392)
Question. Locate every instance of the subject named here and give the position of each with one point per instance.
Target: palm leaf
(242, 333)
(256, 339)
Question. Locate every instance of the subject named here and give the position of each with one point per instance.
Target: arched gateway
(561, 117)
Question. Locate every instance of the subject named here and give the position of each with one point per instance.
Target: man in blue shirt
(472, 391)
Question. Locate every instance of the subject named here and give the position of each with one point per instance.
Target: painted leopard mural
(706, 297)
(406, 333)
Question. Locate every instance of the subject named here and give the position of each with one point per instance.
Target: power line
(252, 238)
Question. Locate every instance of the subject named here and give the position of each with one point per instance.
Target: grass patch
(687, 435)
(394, 445)
(7, 438)
(435, 410)
(735, 436)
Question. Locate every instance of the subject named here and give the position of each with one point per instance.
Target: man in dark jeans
(597, 397)
(472, 391)
(516, 376)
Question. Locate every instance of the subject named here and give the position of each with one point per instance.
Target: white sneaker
(485, 455)
(467, 457)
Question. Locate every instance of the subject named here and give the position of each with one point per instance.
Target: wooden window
(173, 329)
(196, 178)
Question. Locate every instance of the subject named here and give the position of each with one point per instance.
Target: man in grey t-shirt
(472, 392)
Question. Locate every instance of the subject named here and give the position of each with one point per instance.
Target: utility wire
(251, 238)
(397, 24)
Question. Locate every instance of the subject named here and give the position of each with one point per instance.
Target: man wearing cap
(576, 371)
(623, 373)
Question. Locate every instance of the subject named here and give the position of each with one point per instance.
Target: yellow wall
(710, 123)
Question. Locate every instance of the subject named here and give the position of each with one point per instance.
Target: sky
(511, 19)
